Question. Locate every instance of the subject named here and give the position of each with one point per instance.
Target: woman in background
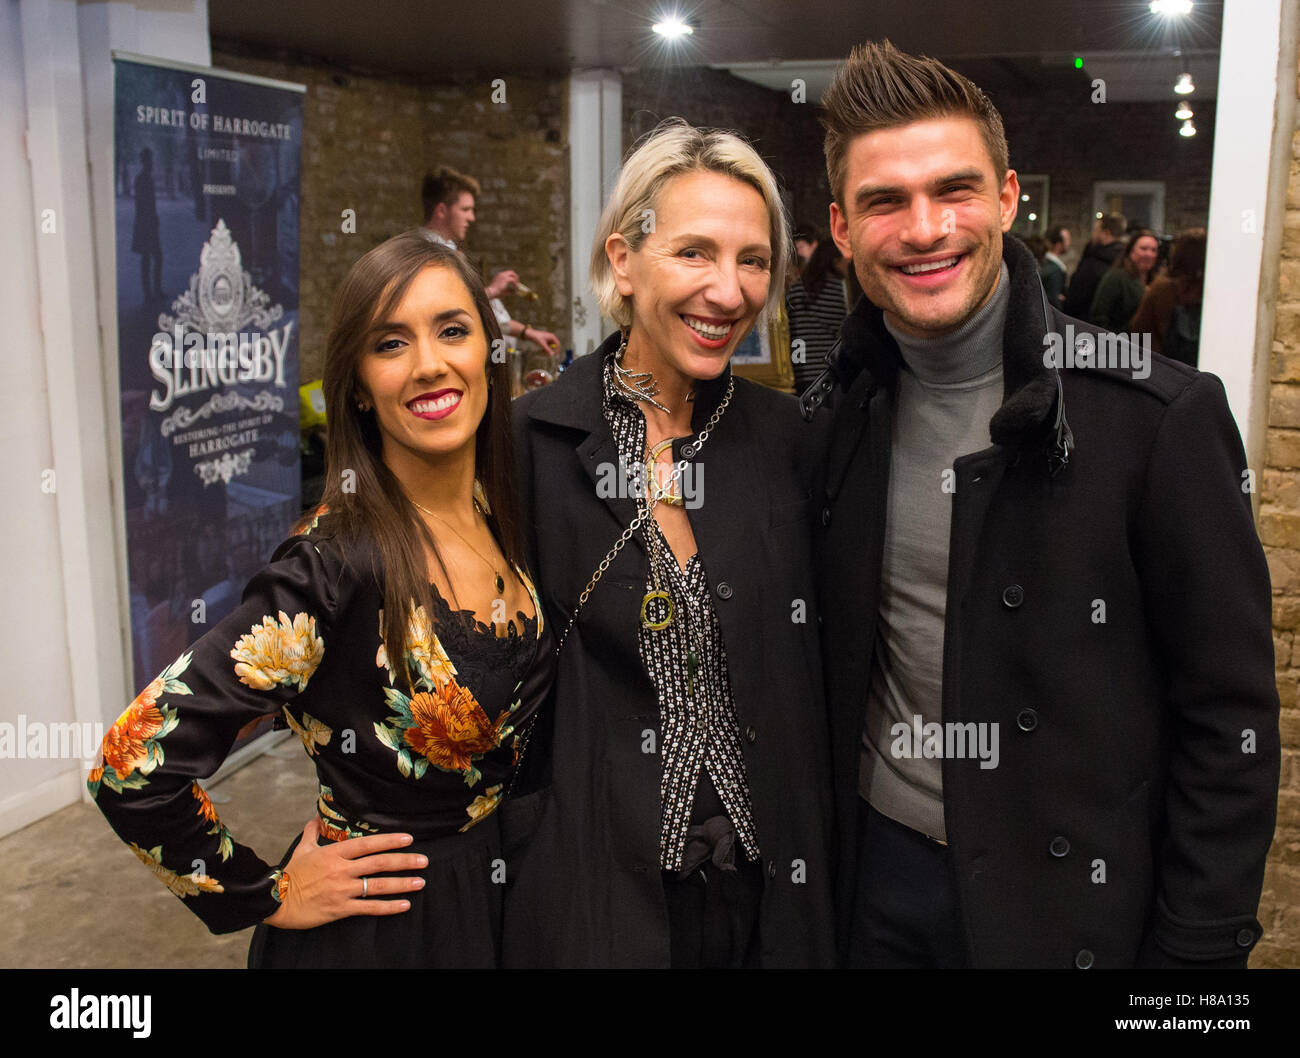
(1170, 310)
(816, 306)
(1120, 291)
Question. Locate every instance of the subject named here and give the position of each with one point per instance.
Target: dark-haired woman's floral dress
(433, 759)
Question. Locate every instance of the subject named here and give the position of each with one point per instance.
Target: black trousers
(905, 910)
(713, 916)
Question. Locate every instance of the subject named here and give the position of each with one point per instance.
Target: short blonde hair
(670, 149)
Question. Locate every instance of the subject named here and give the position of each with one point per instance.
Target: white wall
(63, 635)
(595, 157)
(1254, 118)
(34, 653)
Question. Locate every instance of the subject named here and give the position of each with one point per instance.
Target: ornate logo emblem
(221, 297)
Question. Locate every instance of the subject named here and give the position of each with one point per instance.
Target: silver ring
(365, 885)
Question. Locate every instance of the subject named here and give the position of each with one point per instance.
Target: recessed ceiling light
(1170, 7)
(673, 27)
(1184, 85)
(1188, 129)
(1033, 216)
(1024, 198)
(1183, 112)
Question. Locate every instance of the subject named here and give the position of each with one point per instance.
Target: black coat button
(1059, 847)
(724, 590)
(1084, 959)
(1027, 719)
(751, 734)
(1245, 938)
(1012, 596)
(771, 868)
(826, 516)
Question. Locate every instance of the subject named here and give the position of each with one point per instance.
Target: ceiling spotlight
(1170, 7)
(673, 27)
(1024, 198)
(1184, 86)
(1033, 216)
(1183, 112)
(1099, 214)
(1188, 129)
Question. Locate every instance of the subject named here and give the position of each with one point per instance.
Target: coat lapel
(575, 402)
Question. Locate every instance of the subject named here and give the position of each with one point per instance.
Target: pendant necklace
(657, 604)
(500, 581)
(673, 497)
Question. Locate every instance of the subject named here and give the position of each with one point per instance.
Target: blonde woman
(683, 807)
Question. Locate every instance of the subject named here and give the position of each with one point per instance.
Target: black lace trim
(474, 646)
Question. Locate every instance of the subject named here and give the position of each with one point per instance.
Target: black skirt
(454, 922)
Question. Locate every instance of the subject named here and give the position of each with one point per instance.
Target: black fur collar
(1030, 388)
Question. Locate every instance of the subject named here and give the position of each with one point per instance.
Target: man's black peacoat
(585, 888)
(1109, 610)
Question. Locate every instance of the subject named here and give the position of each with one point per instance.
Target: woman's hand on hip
(326, 881)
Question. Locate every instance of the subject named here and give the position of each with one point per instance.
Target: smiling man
(1046, 611)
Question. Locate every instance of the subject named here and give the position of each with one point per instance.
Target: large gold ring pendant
(673, 498)
(656, 626)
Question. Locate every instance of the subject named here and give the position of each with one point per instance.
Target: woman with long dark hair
(397, 635)
(1120, 291)
(816, 305)
(1171, 307)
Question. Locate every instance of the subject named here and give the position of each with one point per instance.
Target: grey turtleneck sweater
(947, 392)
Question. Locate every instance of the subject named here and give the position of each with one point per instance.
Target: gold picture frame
(768, 361)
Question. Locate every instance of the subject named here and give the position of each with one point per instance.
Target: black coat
(1092, 266)
(1126, 751)
(586, 889)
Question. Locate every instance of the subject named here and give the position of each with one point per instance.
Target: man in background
(1052, 271)
(1107, 244)
(448, 200)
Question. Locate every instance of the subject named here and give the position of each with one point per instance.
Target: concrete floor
(72, 895)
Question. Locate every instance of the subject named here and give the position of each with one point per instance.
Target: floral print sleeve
(181, 726)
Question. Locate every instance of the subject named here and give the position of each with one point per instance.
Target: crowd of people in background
(1131, 281)
(1128, 280)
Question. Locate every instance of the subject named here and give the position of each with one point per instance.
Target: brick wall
(785, 133)
(368, 139)
(1077, 143)
(1279, 528)
(1065, 135)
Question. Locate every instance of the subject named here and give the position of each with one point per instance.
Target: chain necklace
(689, 451)
(500, 581)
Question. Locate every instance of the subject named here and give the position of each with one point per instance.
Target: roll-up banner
(206, 177)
